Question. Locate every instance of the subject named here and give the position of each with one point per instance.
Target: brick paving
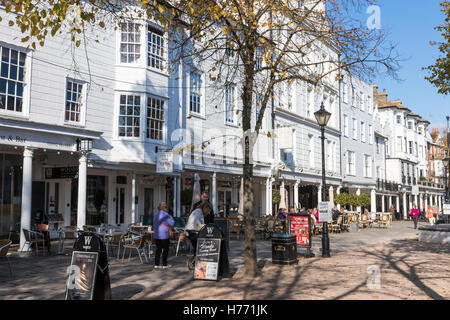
(409, 270)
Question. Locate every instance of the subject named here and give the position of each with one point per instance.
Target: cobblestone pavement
(408, 270)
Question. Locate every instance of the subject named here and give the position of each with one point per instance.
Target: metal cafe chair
(34, 237)
(4, 247)
(138, 244)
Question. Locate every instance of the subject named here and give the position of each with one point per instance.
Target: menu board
(299, 226)
(207, 259)
(81, 276)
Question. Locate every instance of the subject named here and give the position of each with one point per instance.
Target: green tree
(363, 200)
(342, 199)
(276, 196)
(439, 72)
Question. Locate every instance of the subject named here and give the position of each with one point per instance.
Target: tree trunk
(250, 259)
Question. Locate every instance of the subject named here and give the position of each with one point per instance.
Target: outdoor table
(61, 236)
(107, 236)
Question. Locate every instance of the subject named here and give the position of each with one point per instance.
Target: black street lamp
(322, 117)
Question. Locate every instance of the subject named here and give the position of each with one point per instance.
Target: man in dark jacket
(205, 198)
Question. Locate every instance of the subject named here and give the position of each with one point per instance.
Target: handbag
(170, 230)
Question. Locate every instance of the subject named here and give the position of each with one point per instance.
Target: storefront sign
(164, 162)
(325, 211)
(299, 226)
(37, 140)
(61, 173)
(81, 272)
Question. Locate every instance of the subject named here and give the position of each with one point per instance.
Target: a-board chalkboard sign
(81, 276)
(207, 258)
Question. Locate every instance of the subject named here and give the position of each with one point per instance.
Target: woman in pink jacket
(415, 215)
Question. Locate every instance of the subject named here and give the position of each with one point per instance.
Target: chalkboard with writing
(81, 276)
(207, 259)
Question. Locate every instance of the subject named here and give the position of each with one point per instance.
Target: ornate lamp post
(322, 117)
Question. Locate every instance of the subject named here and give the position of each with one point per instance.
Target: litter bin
(91, 242)
(284, 249)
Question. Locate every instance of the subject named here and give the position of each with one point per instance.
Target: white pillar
(440, 203)
(179, 197)
(27, 182)
(331, 195)
(283, 195)
(319, 193)
(420, 206)
(397, 203)
(358, 192)
(383, 207)
(175, 196)
(133, 198)
(296, 204)
(373, 200)
(426, 202)
(82, 182)
(338, 191)
(410, 202)
(214, 193)
(405, 209)
(268, 196)
(389, 202)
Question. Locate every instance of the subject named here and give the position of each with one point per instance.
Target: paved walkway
(44, 277)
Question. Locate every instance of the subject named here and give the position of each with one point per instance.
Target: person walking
(205, 198)
(415, 215)
(162, 224)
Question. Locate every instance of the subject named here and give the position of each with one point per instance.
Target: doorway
(120, 205)
(148, 202)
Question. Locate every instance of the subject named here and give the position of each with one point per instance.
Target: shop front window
(10, 191)
(97, 200)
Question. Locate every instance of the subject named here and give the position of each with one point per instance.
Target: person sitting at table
(162, 224)
(196, 221)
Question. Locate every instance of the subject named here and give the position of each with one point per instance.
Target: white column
(175, 196)
(426, 202)
(358, 192)
(410, 202)
(268, 196)
(214, 193)
(338, 191)
(283, 195)
(296, 195)
(82, 182)
(373, 200)
(27, 182)
(331, 195)
(389, 202)
(405, 209)
(383, 207)
(397, 203)
(179, 197)
(440, 203)
(420, 206)
(133, 198)
(319, 193)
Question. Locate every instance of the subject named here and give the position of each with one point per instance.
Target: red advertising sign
(299, 226)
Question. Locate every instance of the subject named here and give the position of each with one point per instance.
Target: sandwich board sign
(446, 208)
(81, 276)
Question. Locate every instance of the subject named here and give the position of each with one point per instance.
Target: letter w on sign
(209, 229)
(87, 241)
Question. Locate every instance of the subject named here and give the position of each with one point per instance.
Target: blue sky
(411, 24)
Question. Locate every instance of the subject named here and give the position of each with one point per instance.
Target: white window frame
(159, 32)
(27, 67)
(117, 126)
(82, 103)
(346, 123)
(164, 121)
(201, 93)
(355, 129)
(119, 53)
(233, 105)
(370, 134)
(351, 159)
(363, 131)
